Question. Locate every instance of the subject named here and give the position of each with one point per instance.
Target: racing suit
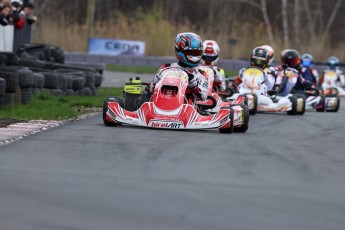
(219, 78)
(305, 80)
(267, 84)
(197, 82)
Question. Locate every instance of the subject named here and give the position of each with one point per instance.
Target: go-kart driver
(333, 63)
(292, 59)
(188, 51)
(260, 59)
(210, 58)
(307, 62)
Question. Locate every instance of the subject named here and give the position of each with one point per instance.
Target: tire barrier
(39, 68)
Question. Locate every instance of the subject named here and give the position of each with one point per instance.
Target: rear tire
(337, 107)
(231, 128)
(293, 110)
(323, 102)
(255, 103)
(299, 96)
(244, 127)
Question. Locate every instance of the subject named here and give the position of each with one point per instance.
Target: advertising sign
(116, 47)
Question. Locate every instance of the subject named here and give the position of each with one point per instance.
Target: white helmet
(210, 54)
(270, 53)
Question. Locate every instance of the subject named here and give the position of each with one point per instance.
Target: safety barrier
(150, 61)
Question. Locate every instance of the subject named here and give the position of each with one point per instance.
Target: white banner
(116, 47)
(6, 38)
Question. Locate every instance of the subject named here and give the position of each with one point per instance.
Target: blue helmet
(188, 48)
(332, 62)
(307, 60)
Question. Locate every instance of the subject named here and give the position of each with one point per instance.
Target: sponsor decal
(116, 47)
(166, 124)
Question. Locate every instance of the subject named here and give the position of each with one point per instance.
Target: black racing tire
(3, 59)
(255, 109)
(130, 101)
(35, 91)
(105, 109)
(25, 77)
(39, 80)
(26, 95)
(245, 126)
(87, 91)
(337, 107)
(9, 99)
(323, 102)
(11, 81)
(35, 80)
(78, 83)
(11, 58)
(32, 64)
(300, 96)
(70, 92)
(98, 80)
(63, 81)
(89, 79)
(57, 92)
(231, 117)
(51, 80)
(293, 110)
(2, 87)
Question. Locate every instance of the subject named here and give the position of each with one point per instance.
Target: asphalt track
(286, 172)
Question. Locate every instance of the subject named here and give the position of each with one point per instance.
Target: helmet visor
(293, 62)
(192, 52)
(306, 62)
(259, 62)
(209, 58)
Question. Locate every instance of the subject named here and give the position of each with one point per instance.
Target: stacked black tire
(42, 52)
(39, 68)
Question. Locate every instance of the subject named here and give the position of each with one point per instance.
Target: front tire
(300, 111)
(293, 110)
(105, 109)
(231, 128)
(245, 125)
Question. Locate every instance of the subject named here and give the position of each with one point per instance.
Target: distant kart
(254, 90)
(321, 102)
(330, 84)
(168, 108)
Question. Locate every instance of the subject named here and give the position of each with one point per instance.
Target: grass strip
(48, 107)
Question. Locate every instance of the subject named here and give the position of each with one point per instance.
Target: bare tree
(329, 24)
(296, 24)
(285, 24)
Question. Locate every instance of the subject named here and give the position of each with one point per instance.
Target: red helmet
(210, 53)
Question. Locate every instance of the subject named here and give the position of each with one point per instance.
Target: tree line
(314, 26)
